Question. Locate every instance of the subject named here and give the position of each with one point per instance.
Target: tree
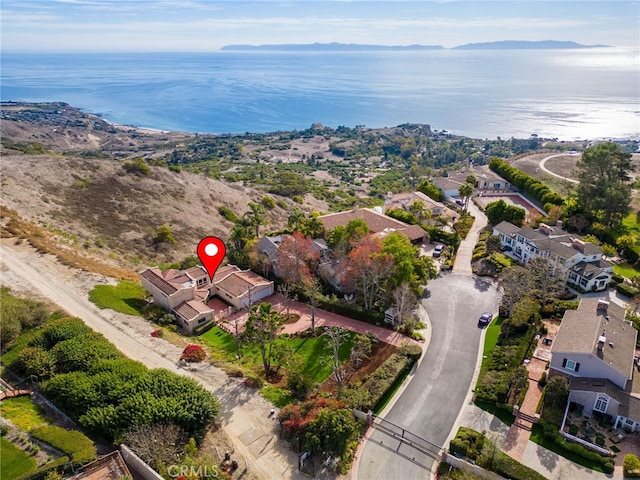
(556, 392)
(547, 281)
(332, 431)
(255, 216)
(159, 445)
(360, 351)
(262, 328)
(366, 270)
(605, 184)
(516, 284)
(163, 234)
(420, 211)
(493, 244)
(313, 289)
(465, 191)
(408, 265)
(500, 211)
(405, 302)
(296, 257)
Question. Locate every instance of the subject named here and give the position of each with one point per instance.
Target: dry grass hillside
(52, 176)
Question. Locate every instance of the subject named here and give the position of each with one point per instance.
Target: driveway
(432, 401)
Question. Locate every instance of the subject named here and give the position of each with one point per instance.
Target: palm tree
(465, 191)
(256, 216)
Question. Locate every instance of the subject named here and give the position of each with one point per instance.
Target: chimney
(603, 306)
(546, 229)
(560, 224)
(578, 245)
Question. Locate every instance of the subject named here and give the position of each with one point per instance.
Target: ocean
(564, 94)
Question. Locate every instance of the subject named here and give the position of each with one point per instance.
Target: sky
(201, 25)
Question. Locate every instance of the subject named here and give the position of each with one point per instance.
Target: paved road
(430, 404)
(546, 170)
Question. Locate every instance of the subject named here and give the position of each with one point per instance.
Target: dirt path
(244, 414)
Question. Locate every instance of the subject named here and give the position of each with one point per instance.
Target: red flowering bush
(193, 354)
(156, 333)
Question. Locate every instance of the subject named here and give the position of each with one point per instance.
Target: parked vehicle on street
(485, 319)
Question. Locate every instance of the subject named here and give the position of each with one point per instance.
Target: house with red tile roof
(185, 292)
(378, 223)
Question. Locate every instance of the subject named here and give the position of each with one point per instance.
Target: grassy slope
(23, 413)
(126, 297)
(13, 461)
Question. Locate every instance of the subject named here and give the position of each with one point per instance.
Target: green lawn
(311, 348)
(126, 297)
(490, 340)
(625, 270)
(13, 461)
(23, 413)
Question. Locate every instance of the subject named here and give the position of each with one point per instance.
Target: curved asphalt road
(430, 404)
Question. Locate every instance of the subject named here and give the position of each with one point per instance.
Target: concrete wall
(135, 463)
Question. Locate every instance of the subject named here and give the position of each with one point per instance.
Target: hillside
(53, 176)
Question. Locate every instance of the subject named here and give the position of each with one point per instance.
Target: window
(602, 402)
(201, 281)
(571, 365)
(628, 421)
(201, 320)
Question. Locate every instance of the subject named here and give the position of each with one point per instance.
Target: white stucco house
(185, 292)
(580, 262)
(595, 350)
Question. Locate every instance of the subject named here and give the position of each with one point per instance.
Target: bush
(384, 377)
(543, 380)
(268, 202)
(193, 354)
(631, 466)
(626, 289)
(138, 166)
(227, 214)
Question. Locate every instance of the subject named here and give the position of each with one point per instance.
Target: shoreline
(158, 131)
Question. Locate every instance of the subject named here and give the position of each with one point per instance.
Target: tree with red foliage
(193, 354)
(367, 268)
(296, 258)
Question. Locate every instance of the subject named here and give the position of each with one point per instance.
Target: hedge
(79, 447)
(507, 467)
(626, 289)
(383, 378)
(631, 466)
(204, 328)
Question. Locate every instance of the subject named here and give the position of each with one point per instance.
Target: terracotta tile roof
(191, 309)
(223, 272)
(196, 272)
(154, 277)
(581, 329)
(239, 282)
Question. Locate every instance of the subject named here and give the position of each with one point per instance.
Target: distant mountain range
(354, 47)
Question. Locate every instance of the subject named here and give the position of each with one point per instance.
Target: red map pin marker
(211, 251)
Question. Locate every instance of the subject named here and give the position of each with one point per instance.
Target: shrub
(626, 289)
(268, 202)
(193, 354)
(298, 199)
(543, 380)
(227, 214)
(138, 166)
(631, 466)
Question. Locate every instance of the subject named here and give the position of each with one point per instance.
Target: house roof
(629, 404)
(154, 276)
(377, 222)
(509, 229)
(239, 282)
(107, 467)
(269, 246)
(196, 272)
(446, 183)
(581, 330)
(224, 272)
(192, 309)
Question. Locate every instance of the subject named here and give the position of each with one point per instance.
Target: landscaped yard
(13, 461)
(625, 270)
(23, 413)
(126, 297)
(490, 340)
(312, 349)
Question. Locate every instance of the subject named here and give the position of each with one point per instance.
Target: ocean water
(565, 94)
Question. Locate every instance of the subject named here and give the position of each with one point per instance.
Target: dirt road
(244, 414)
